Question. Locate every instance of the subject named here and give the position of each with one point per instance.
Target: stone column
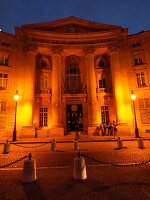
(29, 85)
(29, 93)
(117, 85)
(56, 92)
(91, 91)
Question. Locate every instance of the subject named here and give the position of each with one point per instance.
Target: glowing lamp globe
(16, 96)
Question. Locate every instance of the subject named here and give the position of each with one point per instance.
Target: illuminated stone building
(72, 72)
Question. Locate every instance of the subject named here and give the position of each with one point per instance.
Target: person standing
(115, 131)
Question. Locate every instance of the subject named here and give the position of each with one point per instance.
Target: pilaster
(29, 87)
(56, 92)
(117, 84)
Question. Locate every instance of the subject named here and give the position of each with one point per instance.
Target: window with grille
(102, 83)
(44, 84)
(3, 81)
(43, 63)
(72, 75)
(105, 114)
(43, 117)
(144, 106)
(140, 76)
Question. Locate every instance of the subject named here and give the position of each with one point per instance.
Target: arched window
(72, 75)
(101, 62)
(44, 61)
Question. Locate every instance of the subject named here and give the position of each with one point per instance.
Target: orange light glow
(133, 96)
(27, 113)
(16, 96)
(99, 119)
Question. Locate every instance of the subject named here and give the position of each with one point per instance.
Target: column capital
(56, 50)
(31, 50)
(113, 49)
(89, 50)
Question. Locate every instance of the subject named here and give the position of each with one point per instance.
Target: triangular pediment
(71, 25)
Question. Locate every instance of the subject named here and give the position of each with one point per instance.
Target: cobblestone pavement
(55, 172)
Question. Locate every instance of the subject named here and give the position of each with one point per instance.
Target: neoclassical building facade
(73, 72)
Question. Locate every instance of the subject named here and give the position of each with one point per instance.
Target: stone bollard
(29, 170)
(141, 143)
(79, 168)
(53, 145)
(76, 144)
(119, 143)
(6, 147)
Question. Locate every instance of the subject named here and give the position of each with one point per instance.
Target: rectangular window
(102, 83)
(3, 106)
(4, 60)
(144, 106)
(105, 114)
(137, 44)
(43, 117)
(140, 79)
(138, 61)
(72, 83)
(2, 121)
(44, 81)
(3, 81)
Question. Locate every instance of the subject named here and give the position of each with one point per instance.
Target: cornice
(5, 49)
(67, 36)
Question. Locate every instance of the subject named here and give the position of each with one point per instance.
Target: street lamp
(16, 98)
(133, 97)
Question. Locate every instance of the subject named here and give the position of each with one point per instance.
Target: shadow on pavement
(33, 191)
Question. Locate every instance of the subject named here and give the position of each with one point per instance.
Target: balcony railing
(3, 63)
(44, 91)
(101, 90)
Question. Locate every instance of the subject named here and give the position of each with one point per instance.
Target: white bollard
(76, 144)
(6, 147)
(119, 143)
(141, 143)
(53, 145)
(29, 170)
(79, 168)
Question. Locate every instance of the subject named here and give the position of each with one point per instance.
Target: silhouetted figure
(115, 131)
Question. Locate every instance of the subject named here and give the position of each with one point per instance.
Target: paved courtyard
(55, 171)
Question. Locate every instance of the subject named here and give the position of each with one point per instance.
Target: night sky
(132, 14)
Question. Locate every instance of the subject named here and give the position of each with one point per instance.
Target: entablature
(107, 41)
(74, 97)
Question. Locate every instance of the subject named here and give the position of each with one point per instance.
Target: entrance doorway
(74, 117)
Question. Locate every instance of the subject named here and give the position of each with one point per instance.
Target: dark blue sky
(132, 14)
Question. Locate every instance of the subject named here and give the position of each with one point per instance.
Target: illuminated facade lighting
(73, 74)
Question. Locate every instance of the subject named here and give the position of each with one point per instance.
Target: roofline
(72, 19)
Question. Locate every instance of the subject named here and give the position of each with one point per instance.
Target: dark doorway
(74, 117)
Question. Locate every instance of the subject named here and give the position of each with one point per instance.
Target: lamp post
(16, 98)
(133, 97)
